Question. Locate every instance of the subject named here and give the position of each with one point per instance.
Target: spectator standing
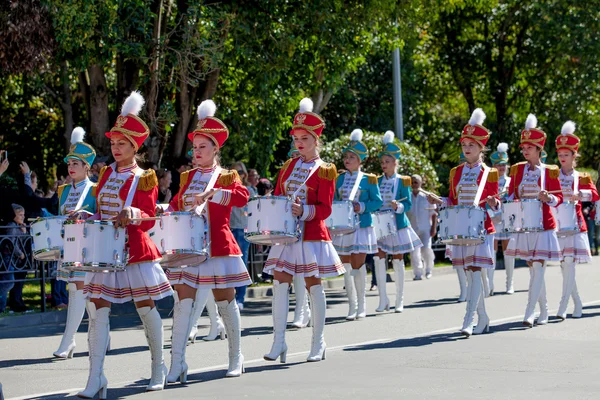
(423, 219)
(17, 258)
(253, 179)
(238, 223)
(164, 186)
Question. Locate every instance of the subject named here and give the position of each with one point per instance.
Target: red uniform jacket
(552, 185)
(235, 194)
(490, 189)
(585, 183)
(321, 188)
(141, 248)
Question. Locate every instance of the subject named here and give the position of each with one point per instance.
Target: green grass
(32, 297)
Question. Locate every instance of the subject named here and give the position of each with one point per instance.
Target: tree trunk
(66, 104)
(128, 77)
(98, 115)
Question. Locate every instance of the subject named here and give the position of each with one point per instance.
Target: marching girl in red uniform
(575, 247)
(533, 179)
(471, 183)
(143, 280)
(224, 270)
(312, 183)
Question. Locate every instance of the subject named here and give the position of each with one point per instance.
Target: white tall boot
(578, 309)
(462, 282)
(154, 334)
(280, 310)
(350, 292)
(428, 260)
(490, 277)
(567, 267)
(535, 288)
(217, 329)
(381, 275)
(318, 346)
(182, 312)
(509, 266)
(199, 304)
(399, 270)
(475, 289)
(486, 285)
(416, 264)
(302, 309)
(360, 282)
(97, 343)
(233, 325)
(75, 313)
(543, 302)
(483, 320)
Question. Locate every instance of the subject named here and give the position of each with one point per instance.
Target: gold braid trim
(584, 179)
(327, 171)
(94, 190)
(493, 175)
(184, 177)
(406, 180)
(451, 181)
(515, 167)
(228, 177)
(372, 179)
(60, 190)
(148, 180)
(553, 171)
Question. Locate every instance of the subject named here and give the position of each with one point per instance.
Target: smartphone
(3, 156)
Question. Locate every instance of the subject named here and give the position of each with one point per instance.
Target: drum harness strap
(312, 171)
(354, 190)
(84, 193)
(486, 171)
(209, 186)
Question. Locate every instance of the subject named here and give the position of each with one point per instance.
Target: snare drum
(94, 246)
(511, 217)
(48, 238)
(462, 226)
(343, 220)
(531, 216)
(384, 223)
(566, 218)
(270, 221)
(181, 239)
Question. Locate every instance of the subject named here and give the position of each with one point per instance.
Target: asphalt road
(417, 354)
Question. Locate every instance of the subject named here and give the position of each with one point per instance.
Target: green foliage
(412, 160)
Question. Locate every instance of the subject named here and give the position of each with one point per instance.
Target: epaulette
(340, 172)
(371, 179)
(451, 181)
(585, 178)
(148, 180)
(286, 164)
(183, 178)
(228, 177)
(406, 180)
(60, 190)
(553, 171)
(102, 171)
(493, 175)
(515, 167)
(94, 190)
(327, 171)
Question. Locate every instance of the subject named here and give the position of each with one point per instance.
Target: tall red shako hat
(129, 124)
(308, 121)
(475, 130)
(567, 139)
(209, 126)
(531, 134)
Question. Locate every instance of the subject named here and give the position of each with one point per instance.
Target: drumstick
(496, 195)
(145, 219)
(435, 196)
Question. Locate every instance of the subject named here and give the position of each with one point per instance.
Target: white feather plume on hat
(306, 105)
(77, 135)
(502, 147)
(388, 137)
(133, 104)
(530, 122)
(477, 117)
(356, 135)
(207, 108)
(568, 128)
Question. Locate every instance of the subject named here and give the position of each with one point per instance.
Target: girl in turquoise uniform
(362, 190)
(395, 192)
(75, 198)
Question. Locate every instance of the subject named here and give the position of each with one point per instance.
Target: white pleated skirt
(65, 275)
(305, 259)
(534, 246)
(404, 241)
(214, 273)
(576, 246)
(361, 241)
(481, 256)
(143, 281)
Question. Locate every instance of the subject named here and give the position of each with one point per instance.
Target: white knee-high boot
(154, 334)
(97, 343)
(567, 267)
(462, 283)
(319, 303)
(182, 312)
(483, 320)
(217, 329)
(475, 289)
(199, 304)
(490, 277)
(535, 288)
(280, 310)
(578, 306)
(485, 285)
(381, 275)
(509, 266)
(233, 325)
(428, 259)
(360, 282)
(75, 313)
(543, 303)
(302, 309)
(350, 292)
(399, 270)
(416, 263)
